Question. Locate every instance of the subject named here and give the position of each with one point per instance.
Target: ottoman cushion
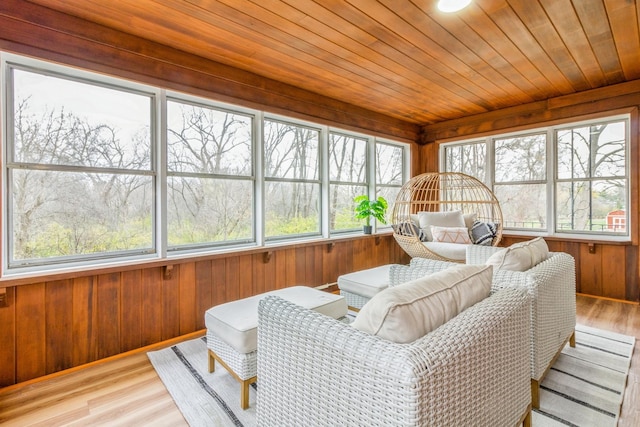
(236, 322)
(366, 283)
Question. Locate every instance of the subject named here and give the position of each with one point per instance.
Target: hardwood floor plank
(125, 390)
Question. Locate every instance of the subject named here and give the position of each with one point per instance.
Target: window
(520, 180)
(390, 172)
(348, 179)
(469, 158)
(570, 179)
(80, 175)
(292, 179)
(591, 177)
(98, 170)
(210, 183)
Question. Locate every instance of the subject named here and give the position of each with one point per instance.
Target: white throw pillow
(441, 219)
(411, 310)
(520, 256)
(469, 219)
(450, 234)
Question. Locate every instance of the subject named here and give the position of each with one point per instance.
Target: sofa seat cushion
(454, 251)
(411, 310)
(520, 256)
(236, 322)
(367, 282)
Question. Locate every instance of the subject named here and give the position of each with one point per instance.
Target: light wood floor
(126, 391)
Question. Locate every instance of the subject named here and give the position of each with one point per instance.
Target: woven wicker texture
(421, 267)
(472, 371)
(243, 364)
(552, 286)
(441, 192)
(354, 300)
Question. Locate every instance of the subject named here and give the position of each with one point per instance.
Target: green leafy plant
(367, 208)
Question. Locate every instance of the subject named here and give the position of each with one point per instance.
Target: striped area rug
(584, 387)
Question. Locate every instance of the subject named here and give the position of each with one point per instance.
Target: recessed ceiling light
(452, 5)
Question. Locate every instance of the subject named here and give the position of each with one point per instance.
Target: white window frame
(160, 173)
(551, 176)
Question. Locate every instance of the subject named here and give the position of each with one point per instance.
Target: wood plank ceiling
(402, 58)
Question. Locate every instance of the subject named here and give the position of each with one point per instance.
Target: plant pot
(367, 229)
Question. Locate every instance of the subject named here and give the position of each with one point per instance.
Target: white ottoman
(232, 330)
(360, 286)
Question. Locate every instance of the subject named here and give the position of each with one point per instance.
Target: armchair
(473, 370)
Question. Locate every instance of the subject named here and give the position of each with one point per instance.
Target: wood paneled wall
(49, 326)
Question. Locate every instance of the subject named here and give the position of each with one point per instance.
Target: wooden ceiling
(402, 58)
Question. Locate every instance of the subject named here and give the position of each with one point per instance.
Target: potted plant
(367, 208)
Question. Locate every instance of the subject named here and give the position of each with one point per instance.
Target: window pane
(521, 158)
(64, 122)
(389, 164)
(467, 158)
(206, 140)
(59, 214)
(594, 206)
(202, 210)
(390, 194)
(592, 151)
(291, 208)
(347, 158)
(523, 205)
(290, 151)
(342, 205)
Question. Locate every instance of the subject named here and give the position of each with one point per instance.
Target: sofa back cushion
(411, 310)
(520, 256)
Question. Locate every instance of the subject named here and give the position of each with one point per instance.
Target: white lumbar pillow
(520, 256)
(411, 310)
(441, 219)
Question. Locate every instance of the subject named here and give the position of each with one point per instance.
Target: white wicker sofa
(552, 287)
(473, 370)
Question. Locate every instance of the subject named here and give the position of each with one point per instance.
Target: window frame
(551, 172)
(158, 134)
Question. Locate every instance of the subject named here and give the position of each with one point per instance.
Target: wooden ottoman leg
(244, 391)
(572, 339)
(535, 394)
(212, 361)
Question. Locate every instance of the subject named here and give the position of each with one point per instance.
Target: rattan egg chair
(441, 192)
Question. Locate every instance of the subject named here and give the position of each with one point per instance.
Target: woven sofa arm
(478, 254)
(434, 265)
(314, 370)
(552, 286)
(405, 273)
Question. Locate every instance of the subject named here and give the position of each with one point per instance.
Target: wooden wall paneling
(313, 265)
(632, 292)
(290, 267)
(109, 319)
(245, 285)
(8, 340)
(152, 305)
(302, 278)
(232, 274)
(258, 266)
(171, 303)
(613, 271)
(30, 332)
(131, 326)
(204, 291)
(590, 271)
(187, 298)
(269, 281)
(361, 255)
(85, 320)
(279, 279)
(219, 280)
(58, 325)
